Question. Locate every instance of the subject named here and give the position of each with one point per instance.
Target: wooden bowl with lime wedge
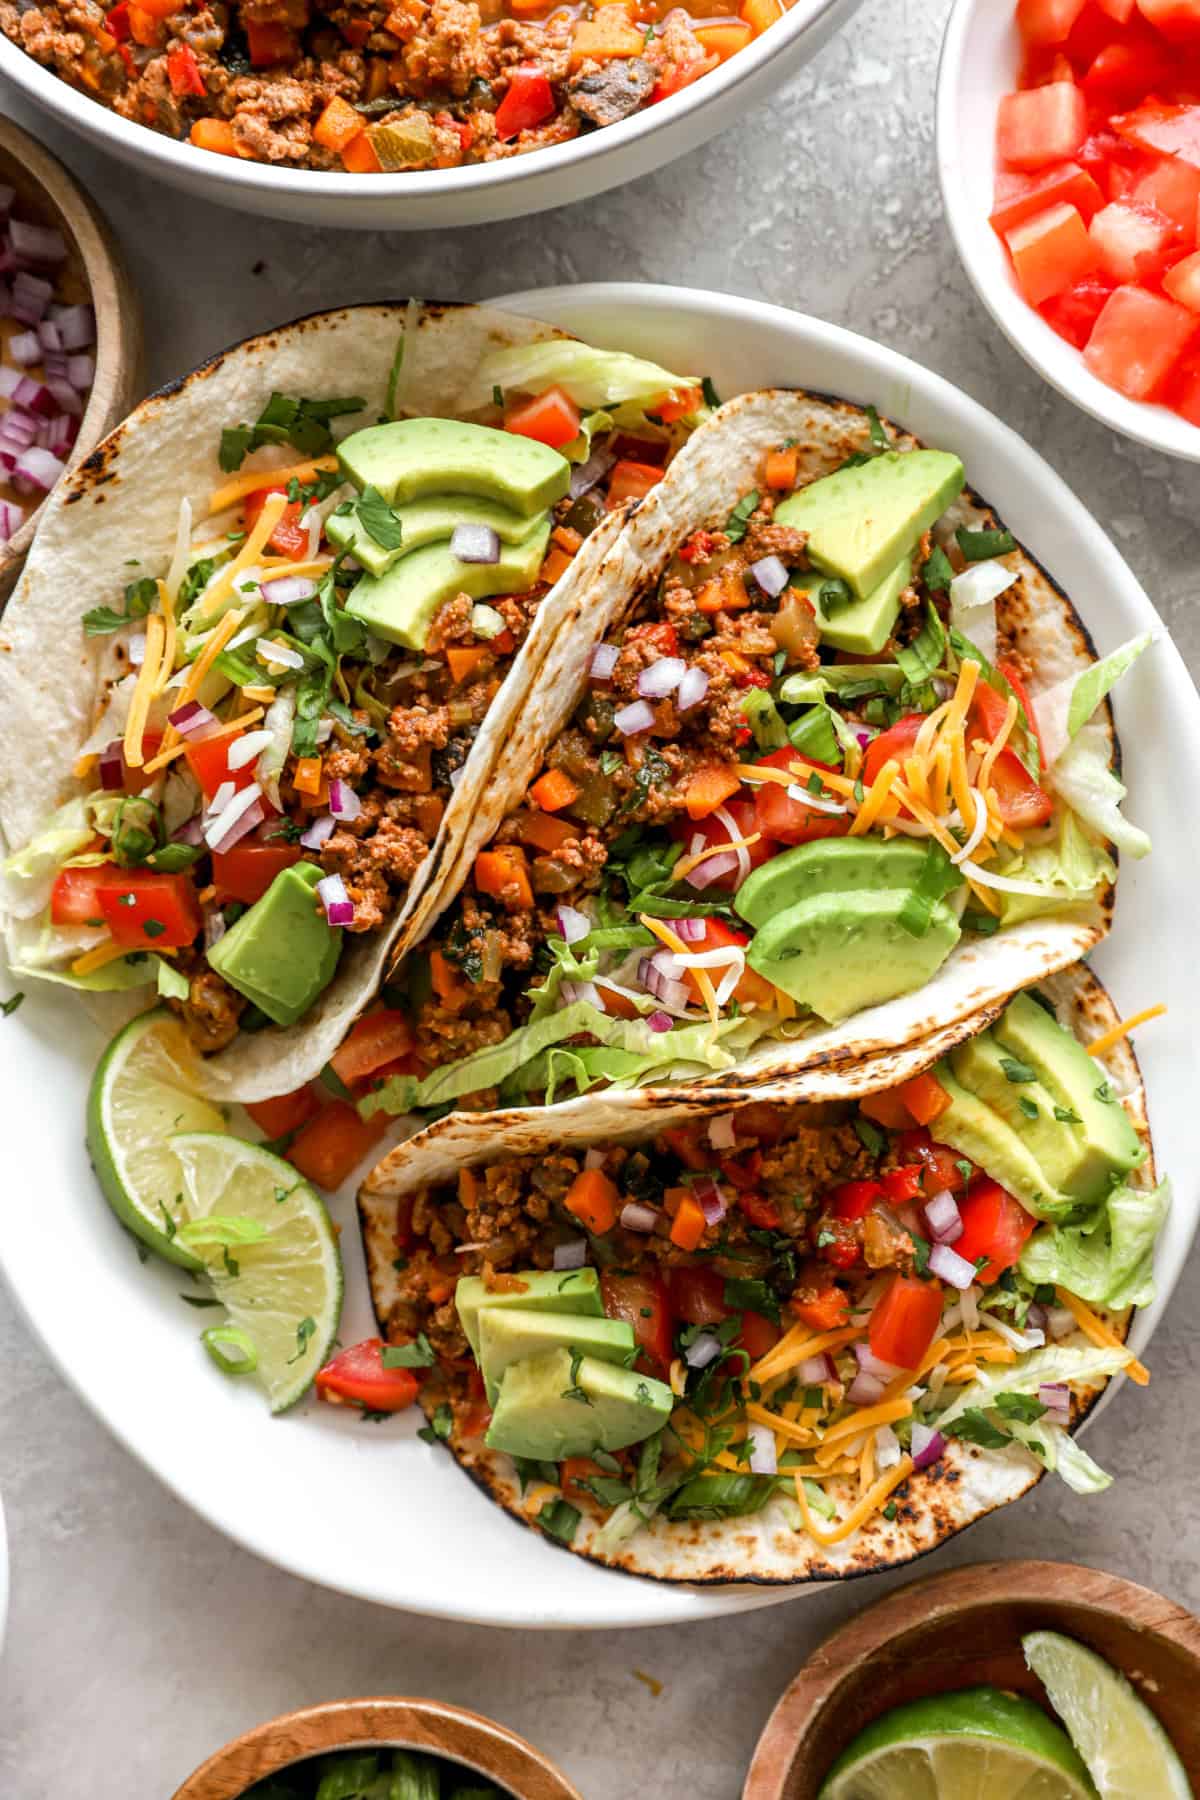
(964, 1629)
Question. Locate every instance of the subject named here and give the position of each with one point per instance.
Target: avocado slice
(541, 1290)
(507, 1336)
(282, 952)
(824, 866)
(838, 952)
(1060, 1148)
(549, 1407)
(402, 604)
(863, 627)
(425, 522)
(1074, 1081)
(970, 1126)
(409, 459)
(864, 518)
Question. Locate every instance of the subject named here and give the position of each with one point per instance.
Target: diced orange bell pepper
(546, 833)
(464, 659)
(709, 788)
(592, 1198)
(724, 40)
(758, 14)
(215, 135)
(359, 157)
(631, 481)
(338, 124)
(887, 1109)
(307, 776)
(606, 35)
(555, 566)
(925, 1098)
(144, 28)
(781, 468)
(503, 876)
(687, 1227)
(553, 790)
(724, 593)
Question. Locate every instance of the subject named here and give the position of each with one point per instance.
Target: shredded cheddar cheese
(876, 798)
(167, 665)
(304, 472)
(998, 742)
(97, 957)
(796, 1346)
(666, 936)
(201, 666)
(144, 691)
(223, 583)
(1094, 1328)
(861, 1512)
(1100, 1046)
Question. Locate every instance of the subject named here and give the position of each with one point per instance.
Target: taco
(272, 638)
(828, 763)
(784, 1341)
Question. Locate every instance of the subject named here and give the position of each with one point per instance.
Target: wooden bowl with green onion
(94, 272)
(479, 1747)
(964, 1629)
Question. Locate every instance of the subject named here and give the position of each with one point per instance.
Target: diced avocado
(863, 519)
(1075, 1081)
(402, 604)
(864, 626)
(539, 1290)
(507, 1336)
(412, 458)
(828, 865)
(282, 952)
(424, 522)
(550, 1407)
(983, 1067)
(970, 1126)
(838, 952)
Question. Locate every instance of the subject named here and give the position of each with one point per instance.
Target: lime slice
(979, 1744)
(140, 1095)
(284, 1290)
(1128, 1754)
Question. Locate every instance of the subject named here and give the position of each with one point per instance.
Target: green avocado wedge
(838, 952)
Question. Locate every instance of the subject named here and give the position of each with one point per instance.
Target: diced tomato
(679, 405)
(1120, 10)
(246, 871)
(1122, 72)
(904, 1184)
(551, 417)
(1131, 242)
(678, 75)
(905, 1319)
(940, 1161)
(697, 1294)
(1184, 387)
(854, 1199)
(207, 758)
(751, 989)
(270, 43)
(757, 1335)
(690, 1144)
(1164, 127)
(761, 1214)
(1182, 282)
(183, 71)
(642, 1300)
(1073, 313)
(289, 537)
(1115, 166)
(331, 1146)
(1172, 188)
(379, 1038)
(995, 1225)
(1050, 251)
(1020, 802)
(1137, 339)
(117, 22)
(821, 1305)
(712, 831)
(528, 102)
(659, 634)
(778, 815)
(357, 1376)
(74, 899)
(1018, 687)
(1020, 196)
(631, 481)
(287, 1112)
(1179, 19)
(894, 744)
(1041, 125)
(1047, 21)
(145, 910)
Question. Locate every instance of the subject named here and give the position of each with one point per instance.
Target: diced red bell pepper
(995, 1225)
(1137, 339)
(642, 1300)
(529, 102)
(820, 1304)
(74, 899)
(904, 1184)
(246, 871)
(285, 1113)
(854, 1199)
(145, 910)
(357, 1376)
(551, 417)
(905, 1319)
(289, 537)
(1050, 251)
(377, 1039)
(183, 72)
(1041, 125)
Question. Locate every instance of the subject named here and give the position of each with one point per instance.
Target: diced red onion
(887, 1448)
(1035, 1315)
(864, 738)
(226, 812)
(25, 349)
(692, 931)
(10, 381)
(926, 1445)
(37, 470)
(344, 803)
(865, 1390)
(81, 371)
(1056, 1397)
(33, 397)
(950, 1267)
(713, 868)
(871, 1364)
(593, 1159)
(55, 362)
(604, 661)
(33, 287)
(486, 622)
(136, 646)
(721, 1134)
(190, 832)
(7, 196)
(702, 1350)
(112, 766)
(660, 983)
(816, 1371)
(659, 1021)
(771, 575)
(26, 309)
(582, 990)
(318, 832)
(710, 1199)
(572, 1255)
(692, 689)
(637, 716)
(49, 336)
(36, 243)
(661, 678)
(61, 434)
(573, 924)
(339, 908)
(19, 429)
(247, 747)
(636, 1217)
(287, 590)
(762, 1456)
(12, 517)
(1060, 1321)
(76, 325)
(214, 929)
(68, 400)
(585, 477)
(475, 544)
(943, 1217)
(243, 824)
(192, 719)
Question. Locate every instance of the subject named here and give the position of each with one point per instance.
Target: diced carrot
(546, 833)
(338, 124)
(214, 134)
(617, 1006)
(307, 776)
(144, 28)
(887, 1109)
(464, 659)
(724, 40)
(566, 538)
(286, 1112)
(448, 983)
(553, 790)
(606, 35)
(593, 1198)
(758, 14)
(555, 566)
(503, 876)
(781, 468)
(359, 156)
(725, 593)
(329, 1147)
(925, 1098)
(687, 1227)
(709, 788)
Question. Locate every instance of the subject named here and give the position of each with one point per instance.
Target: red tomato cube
(1182, 282)
(1172, 187)
(1019, 196)
(1131, 242)
(1041, 125)
(1183, 392)
(1164, 128)
(1047, 21)
(1120, 10)
(1121, 74)
(1073, 313)
(1179, 19)
(1137, 339)
(1050, 252)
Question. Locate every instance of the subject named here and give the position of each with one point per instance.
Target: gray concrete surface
(139, 1640)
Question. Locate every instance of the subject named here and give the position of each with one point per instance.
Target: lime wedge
(1128, 1754)
(283, 1288)
(140, 1095)
(978, 1744)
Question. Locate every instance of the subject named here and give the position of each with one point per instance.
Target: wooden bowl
(49, 195)
(479, 1744)
(955, 1630)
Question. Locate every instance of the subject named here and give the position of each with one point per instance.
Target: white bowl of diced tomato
(1069, 158)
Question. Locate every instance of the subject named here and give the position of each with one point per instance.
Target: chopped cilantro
(1016, 1070)
(974, 1427)
(9, 1006)
(439, 1427)
(304, 424)
(1026, 1407)
(978, 546)
(869, 1135)
(1028, 1107)
(378, 520)
(140, 596)
(738, 521)
(879, 436)
(937, 571)
(1067, 1116)
(418, 1355)
(304, 1331)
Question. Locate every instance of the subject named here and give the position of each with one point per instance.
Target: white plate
(3, 1577)
(477, 194)
(368, 1508)
(981, 58)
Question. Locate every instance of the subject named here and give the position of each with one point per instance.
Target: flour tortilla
(123, 502)
(966, 1484)
(719, 463)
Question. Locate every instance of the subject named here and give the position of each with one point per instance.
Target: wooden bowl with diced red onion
(70, 335)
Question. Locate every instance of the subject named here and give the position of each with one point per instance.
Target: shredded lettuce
(172, 983)
(1082, 778)
(1059, 1453)
(1069, 865)
(593, 378)
(44, 952)
(1064, 709)
(580, 448)
(1089, 1365)
(29, 872)
(1109, 1259)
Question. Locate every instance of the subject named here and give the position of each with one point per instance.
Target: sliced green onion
(978, 546)
(219, 1340)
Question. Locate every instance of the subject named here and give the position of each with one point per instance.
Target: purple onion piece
(702, 1350)
(344, 803)
(950, 1267)
(76, 325)
(36, 243)
(661, 678)
(572, 1255)
(339, 908)
(573, 924)
(711, 1201)
(636, 1217)
(771, 575)
(25, 349)
(927, 1446)
(636, 717)
(692, 931)
(585, 477)
(865, 1390)
(604, 661)
(112, 766)
(242, 826)
(722, 862)
(692, 689)
(287, 590)
(475, 544)
(659, 1021)
(319, 832)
